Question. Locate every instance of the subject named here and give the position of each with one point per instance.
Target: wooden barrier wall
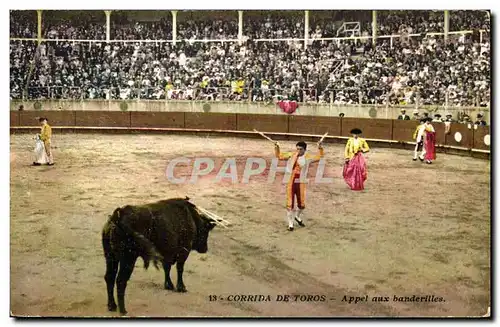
(263, 123)
(380, 129)
(215, 121)
(157, 119)
(315, 125)
(460, 135)
(57, 118)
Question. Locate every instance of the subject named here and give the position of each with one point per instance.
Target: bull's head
(201, 241)
(208, 221)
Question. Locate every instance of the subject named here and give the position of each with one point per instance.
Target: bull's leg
(127, 264)
(111, 270)
(180, 283)
(168, 282)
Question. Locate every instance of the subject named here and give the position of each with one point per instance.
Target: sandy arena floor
(416, 230)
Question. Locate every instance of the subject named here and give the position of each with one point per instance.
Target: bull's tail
(148, 251)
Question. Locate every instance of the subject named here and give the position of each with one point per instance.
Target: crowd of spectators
(125, 30)
(321, 23)
(469, 20)
(461, 117)
(67, 30)
(23, 24)
(423, 70)
(212, 30)
(411, 22)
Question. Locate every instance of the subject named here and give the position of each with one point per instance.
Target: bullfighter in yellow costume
(355, 172)
(45, 136)
(295, 189)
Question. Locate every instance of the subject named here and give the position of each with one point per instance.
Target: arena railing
(197, 93)
(338, 39)
(369, 37)
(224, 94)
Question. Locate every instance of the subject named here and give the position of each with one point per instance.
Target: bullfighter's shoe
(297, 218)
(300, 222)
(290, 229)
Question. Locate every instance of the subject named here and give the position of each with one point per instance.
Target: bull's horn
(220, 223)
(216, 219)
(223, 222)
(214, 216)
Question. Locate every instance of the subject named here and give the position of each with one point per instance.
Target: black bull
(165, 231)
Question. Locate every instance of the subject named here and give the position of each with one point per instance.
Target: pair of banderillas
(275, 142)
(218, 220)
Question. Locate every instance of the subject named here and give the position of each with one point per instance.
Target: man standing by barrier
(415, 115)
(296, 189)
(45, 136)
(403, 115)
(480, 120)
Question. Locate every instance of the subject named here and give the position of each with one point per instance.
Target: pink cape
(288, 106)
(430, 146)
(355, 173)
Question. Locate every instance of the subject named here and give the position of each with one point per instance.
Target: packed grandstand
(424, 57)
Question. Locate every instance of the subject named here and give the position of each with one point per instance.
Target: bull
(162, 232)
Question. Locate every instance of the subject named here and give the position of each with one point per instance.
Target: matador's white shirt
(420, 134)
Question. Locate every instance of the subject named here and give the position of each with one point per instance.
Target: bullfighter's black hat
(356, 131)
